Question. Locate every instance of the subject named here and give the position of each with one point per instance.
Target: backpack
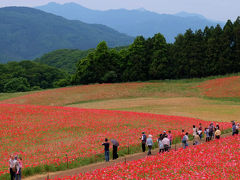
(144, 138)
(184, 140)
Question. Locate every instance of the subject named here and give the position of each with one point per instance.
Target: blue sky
(213, 9)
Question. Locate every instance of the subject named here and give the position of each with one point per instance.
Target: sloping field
(210, 110)
(92, 93)
(221, 87)
(44, 135)
(218, 159)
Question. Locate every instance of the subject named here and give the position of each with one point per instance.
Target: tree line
(212, 51)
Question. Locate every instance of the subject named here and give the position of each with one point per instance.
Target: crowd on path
(165, 139)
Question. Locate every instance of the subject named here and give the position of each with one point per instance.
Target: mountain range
(27, 33)
(133, 22)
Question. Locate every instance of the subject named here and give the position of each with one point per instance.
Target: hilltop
(28, 33)
(133, 22)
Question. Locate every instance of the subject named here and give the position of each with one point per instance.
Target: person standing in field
(143, 139)
(182, 134)
(106, 149)
(170, 137)
(196, 139)
(234, 128)
(194, 130)
(11, 167)
(160, 144)
(211, 131)
(185, 140)
(166, 143)
(217, 134)
(207, 134)
(149, 144)
(200, 131)
(237, 128)
(18, 166)
(115, 148)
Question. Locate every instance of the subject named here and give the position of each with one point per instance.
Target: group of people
(164, 142)
(15, 166)
(106, 145)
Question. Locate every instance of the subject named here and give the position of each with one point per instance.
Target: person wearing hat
(217, 134)
(143, 139)
(149, 144)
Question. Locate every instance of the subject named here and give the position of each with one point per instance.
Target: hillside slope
(27, 33)
(132, 22)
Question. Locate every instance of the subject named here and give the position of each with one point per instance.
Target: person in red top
(183, 134)
(170, 137)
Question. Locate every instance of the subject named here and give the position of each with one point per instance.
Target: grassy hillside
(175, 97)
(27, 33)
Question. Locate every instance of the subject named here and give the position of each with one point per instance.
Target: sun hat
(149, 135)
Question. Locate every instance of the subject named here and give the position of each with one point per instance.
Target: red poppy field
(219, 159)
(45, 134)
(221, 87)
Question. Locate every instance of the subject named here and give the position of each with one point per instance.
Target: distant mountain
(133, 22)
(27, 33)
(186, 14)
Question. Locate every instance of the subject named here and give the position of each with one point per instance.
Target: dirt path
(92, 167)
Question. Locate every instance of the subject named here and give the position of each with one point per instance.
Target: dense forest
(27, 75)
(213, 51)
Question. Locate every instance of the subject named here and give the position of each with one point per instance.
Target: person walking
(11, 167)
(160, 144)
(206, 131)
(166, 143)
(149, 144)
(217, 134)
(185, 140)
(234, 128)
(170, 137)
(106, 149)
(143, 139)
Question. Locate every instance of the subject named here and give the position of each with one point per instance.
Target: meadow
(47, 135)
(50, 128)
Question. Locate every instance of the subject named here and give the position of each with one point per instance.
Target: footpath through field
(92, 167)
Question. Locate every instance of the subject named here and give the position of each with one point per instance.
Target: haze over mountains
(133, 22)
(27, 33)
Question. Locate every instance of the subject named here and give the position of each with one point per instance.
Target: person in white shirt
(11, 166)
(166, 143)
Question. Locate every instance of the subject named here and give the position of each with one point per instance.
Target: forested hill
(133, 22)
(27, 33)
(65, 59)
